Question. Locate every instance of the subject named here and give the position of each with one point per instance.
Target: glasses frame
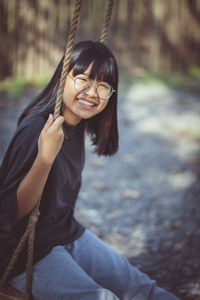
(93, 84)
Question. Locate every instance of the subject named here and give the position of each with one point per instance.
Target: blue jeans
(88, 269)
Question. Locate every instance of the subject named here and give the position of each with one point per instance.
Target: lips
(86, 102)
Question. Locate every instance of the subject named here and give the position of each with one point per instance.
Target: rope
(107, 19)
(67, 58)
(30, 227)
(29, 265)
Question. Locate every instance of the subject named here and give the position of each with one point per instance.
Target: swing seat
(8, 292)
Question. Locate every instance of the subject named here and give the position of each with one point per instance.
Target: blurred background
(146, 204)
(154, 35)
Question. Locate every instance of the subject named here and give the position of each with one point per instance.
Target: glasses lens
(104, 91)
(81, 84)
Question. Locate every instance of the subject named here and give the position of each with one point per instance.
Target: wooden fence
(153, 34)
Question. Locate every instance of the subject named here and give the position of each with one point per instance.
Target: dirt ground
(144, 201)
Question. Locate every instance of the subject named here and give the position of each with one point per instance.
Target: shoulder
(32, 123)
(23, 146)
(30, 128)
(26, 135)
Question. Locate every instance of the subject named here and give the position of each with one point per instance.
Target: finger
(57, 124)
(48, 123)
(60, 131)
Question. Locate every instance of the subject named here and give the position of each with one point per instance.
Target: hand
(51, 139)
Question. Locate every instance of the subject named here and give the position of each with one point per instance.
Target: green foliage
(16, 85)
(194, 71)
(187, 81)
(40, 81)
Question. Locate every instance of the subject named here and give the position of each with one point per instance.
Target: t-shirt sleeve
(18, 160)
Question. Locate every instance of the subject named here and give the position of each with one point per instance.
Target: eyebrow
(88, 74)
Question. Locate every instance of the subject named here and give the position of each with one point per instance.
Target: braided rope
(107, 19)
(67, 58)
(29, 265)
(31, 224)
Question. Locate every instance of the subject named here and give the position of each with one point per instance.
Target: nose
(91, 90)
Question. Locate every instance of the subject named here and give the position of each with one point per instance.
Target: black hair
(102, 128)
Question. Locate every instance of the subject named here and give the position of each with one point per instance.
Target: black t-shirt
(56, 224)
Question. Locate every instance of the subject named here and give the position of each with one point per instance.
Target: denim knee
(105, 294)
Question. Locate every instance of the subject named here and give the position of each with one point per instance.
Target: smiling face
(81, 105)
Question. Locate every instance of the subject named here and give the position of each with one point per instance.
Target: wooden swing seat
(8, 292)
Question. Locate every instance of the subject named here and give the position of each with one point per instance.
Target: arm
(31, 187)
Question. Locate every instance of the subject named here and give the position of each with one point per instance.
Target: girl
(45, 160)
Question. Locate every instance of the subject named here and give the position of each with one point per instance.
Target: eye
(83, 79)
(104, 85)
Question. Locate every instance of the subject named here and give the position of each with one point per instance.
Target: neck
(70, 118)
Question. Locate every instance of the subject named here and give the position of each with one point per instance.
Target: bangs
(104, 71)
(104, 67)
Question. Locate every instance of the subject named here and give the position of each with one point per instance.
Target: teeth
(85, 102)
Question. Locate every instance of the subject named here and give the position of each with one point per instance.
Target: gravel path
(144, 201)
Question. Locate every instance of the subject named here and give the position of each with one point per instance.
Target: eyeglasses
(81, 83)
